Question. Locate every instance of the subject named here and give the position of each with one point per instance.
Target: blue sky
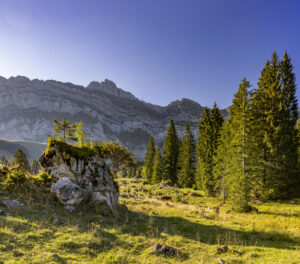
(159, 50)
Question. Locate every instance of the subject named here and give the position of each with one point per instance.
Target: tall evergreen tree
(149, 160)
(217, 122)
(186, 159)
(289, 138)
(238, 179)
(221, 171)
(170, 154)
(157, 166)
(274, 109)
(204, 168)
(208, 140)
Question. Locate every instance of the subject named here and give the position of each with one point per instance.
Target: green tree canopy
(64, 130)
(157, 166)
(117, 156)
(186, 159)
(20, 160)
(148, 164)
(170, 154)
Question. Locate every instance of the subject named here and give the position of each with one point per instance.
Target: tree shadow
(288, 214)
(137, 223)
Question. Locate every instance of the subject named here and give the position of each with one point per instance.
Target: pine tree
(80, 134)
(149, 160)
(170, 155)
(208, 140)
(217, 122)
(221, 171)
(138, 173)
(238, 179)
(4, 161)
(20, 160)
(204, 167)
(186, 159)
(64, 130)
(157, 167)
(289, 138)
(298, 144)
(274, 115)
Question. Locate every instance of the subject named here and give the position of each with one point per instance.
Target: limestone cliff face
(79, 176)
(108, 113)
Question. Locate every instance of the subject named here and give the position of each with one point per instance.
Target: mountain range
(107, 112)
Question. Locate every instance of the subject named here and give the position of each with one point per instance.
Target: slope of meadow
(43, 232)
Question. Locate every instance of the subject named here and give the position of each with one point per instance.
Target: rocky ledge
(80, 175)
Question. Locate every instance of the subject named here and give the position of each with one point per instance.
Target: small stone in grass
(159, 249)
(223, 249)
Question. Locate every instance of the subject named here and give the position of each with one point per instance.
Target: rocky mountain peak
(109, 87)
(107, 112)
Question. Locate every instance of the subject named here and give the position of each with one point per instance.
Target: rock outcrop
(80, 175)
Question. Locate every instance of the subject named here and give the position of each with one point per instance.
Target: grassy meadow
(42, 231)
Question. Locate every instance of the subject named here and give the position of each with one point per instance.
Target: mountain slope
(32, 150)
(107, 112)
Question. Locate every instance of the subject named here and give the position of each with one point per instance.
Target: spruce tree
(149, 160)
(217, 122)
(274, 115)
(208, 140)
(204, 168)
(170, 156)
(238, 177)
(186, 159)
(289, 138)
(221, 171)
(157, 166)
(20, 160)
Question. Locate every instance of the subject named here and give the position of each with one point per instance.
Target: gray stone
(12, 203)
(223, 249)
(69, 208)
(221, 261)
(68, 192)
(159, 249)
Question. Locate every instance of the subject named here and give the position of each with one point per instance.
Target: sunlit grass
(30, 234)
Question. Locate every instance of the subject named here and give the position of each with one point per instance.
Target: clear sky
(159, 50)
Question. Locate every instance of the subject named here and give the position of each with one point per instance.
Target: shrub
(43, 178)
(15, 178)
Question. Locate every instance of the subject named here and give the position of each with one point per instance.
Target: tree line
(254, 154)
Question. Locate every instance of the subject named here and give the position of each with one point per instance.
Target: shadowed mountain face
(32, 150)
(108, 113)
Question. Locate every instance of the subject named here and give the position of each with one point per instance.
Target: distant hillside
(32, 150)
(28, 107)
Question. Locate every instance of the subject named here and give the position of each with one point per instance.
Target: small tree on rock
(64, 130)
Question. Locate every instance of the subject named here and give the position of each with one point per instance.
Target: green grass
(30, 234)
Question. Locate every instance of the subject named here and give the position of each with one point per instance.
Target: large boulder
(80, 175)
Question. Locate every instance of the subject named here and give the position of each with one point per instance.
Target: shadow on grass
(288, 214)
(138, 223)
(85, 220)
